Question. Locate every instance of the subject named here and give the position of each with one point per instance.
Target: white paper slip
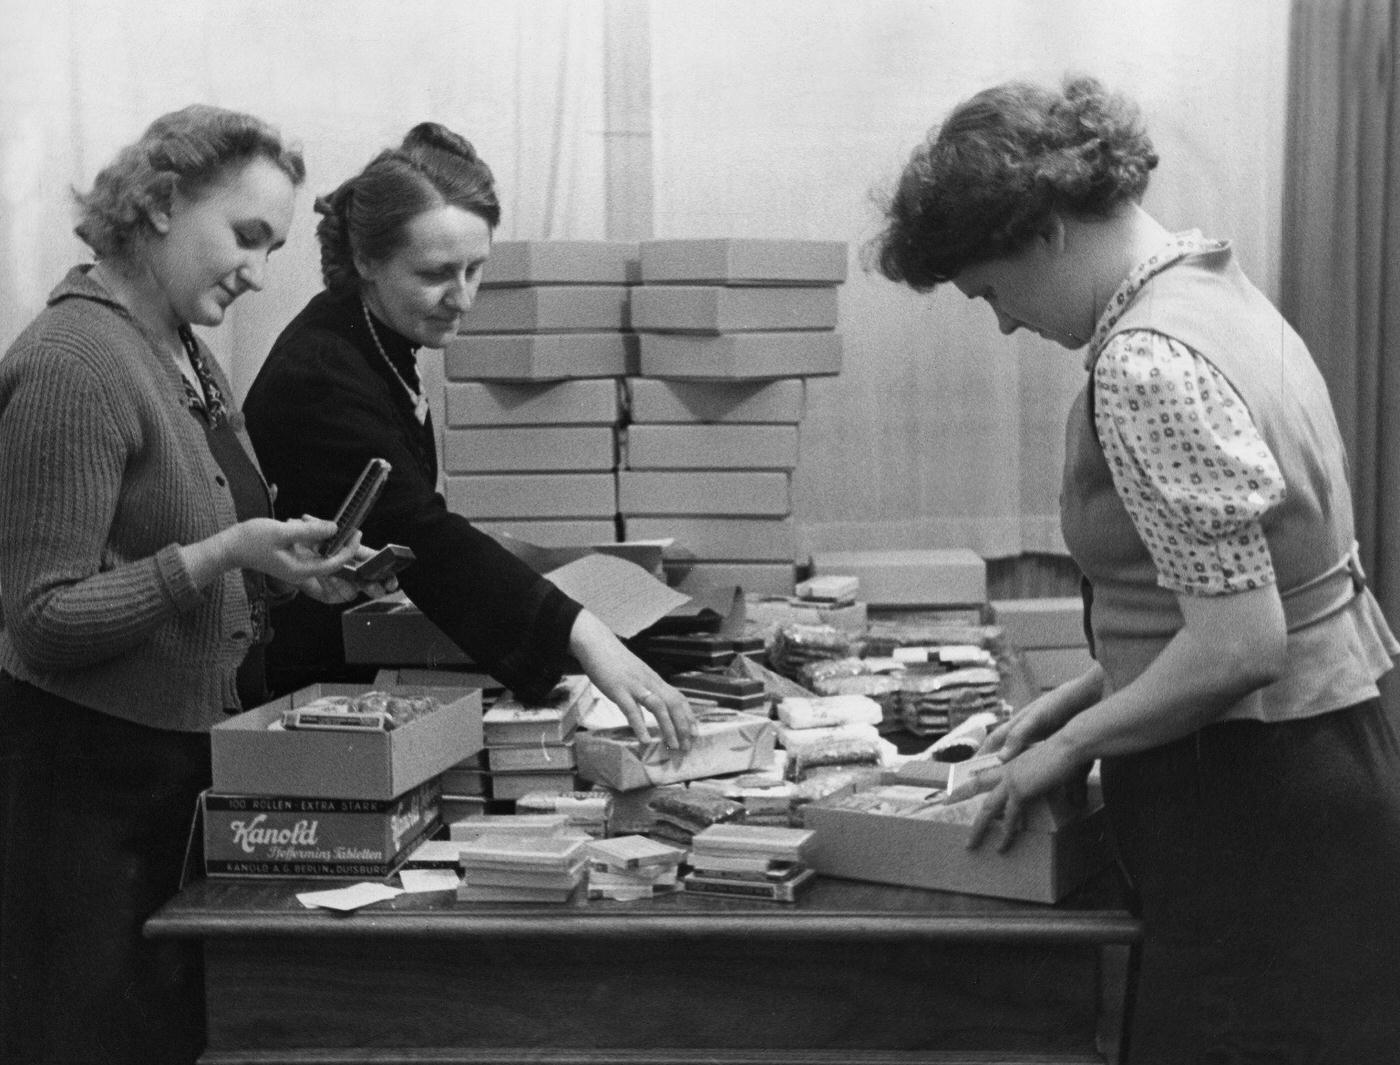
(349, 898)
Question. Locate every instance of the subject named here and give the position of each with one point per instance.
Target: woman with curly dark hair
(138, 554)
(1251, 776)
(402, 248)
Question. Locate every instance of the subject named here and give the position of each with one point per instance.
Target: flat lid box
(726, 741)
(249, 758)
(561, 262)
(744, 260)
(540, 356)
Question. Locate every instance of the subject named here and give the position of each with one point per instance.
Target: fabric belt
(1326, 593)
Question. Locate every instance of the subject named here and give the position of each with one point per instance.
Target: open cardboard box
(879, 835)
(250, 758)
(726, 741)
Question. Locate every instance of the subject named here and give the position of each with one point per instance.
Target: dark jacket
(323, 404)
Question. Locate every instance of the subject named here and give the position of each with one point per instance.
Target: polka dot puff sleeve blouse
(1188, 463)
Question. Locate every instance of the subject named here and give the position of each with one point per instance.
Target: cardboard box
(949, 577)
(719, 539)
(746, 260)
(562, 262)
(532, 495)
(709, 493)
(726, 741)
(391, 632)
(530, 449)
(781, 402)
(280, 836)
(855, 841)
(249, 758)
(548, 309)
(714, 309)
(753, 578)
(742, 356)
(711, 447)
(413, 677)
(1056, 621)
(541, 356)
(477, 403)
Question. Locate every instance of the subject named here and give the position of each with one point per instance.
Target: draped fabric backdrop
(635, 118)
(1340, 284)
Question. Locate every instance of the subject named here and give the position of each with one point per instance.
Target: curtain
(634, 118)
(1340, 283)
(781, 118)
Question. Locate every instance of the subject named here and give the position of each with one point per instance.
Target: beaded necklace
(420, 401)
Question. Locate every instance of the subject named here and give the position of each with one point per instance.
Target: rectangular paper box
(553, 532)
(548, 309)
(755, 578)
(744, 260)
(710, 493)
(530, 449)
(782, 401)
(476, 403)
(715, 309)
(541, 356)
(251, 759)
(1056, 621)
(741, 356)
(251, 835)
(712, 447)
(562, 262)
(1042, 866)
(726, 741)
(720, 539)
(532, 495)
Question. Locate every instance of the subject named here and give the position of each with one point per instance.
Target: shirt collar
(1176, 248)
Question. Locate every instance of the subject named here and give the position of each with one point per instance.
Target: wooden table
(854, 973)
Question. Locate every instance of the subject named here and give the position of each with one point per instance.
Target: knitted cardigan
(104, 475)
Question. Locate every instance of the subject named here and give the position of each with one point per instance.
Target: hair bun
(438, 137)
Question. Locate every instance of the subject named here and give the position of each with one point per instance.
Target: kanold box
(782, 401)
(726, 741)
(562, 262)
(548, 309)
(477, 403)
(1052, 622)
(888, 835)
(744, 260)
(741, 356)
(251, 758)
(541, 356)
(714, 309)
(284, 835)
(530, 449)
(712, 447)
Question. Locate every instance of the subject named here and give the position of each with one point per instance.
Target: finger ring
(644, 695)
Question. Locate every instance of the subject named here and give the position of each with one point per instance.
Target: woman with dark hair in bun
(402, 247)
(1251, 775)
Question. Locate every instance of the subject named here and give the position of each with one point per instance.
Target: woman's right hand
(1044, 716)
(284, 550)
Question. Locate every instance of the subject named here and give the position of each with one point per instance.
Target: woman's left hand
(630, 683)
(334, 588)
(1024, 777)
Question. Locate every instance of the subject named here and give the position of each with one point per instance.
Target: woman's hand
(1044, 716)
(631, 683)
(338, 588)
(1028, 775)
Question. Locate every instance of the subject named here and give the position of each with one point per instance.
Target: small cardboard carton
(540, 356)
(743, 260)
(899, 834)
(726, 741)
(562, 262)
(758, 355)
(714, 310)
(252, 758)
(780, 402)
(729, 447)
(285, 835)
